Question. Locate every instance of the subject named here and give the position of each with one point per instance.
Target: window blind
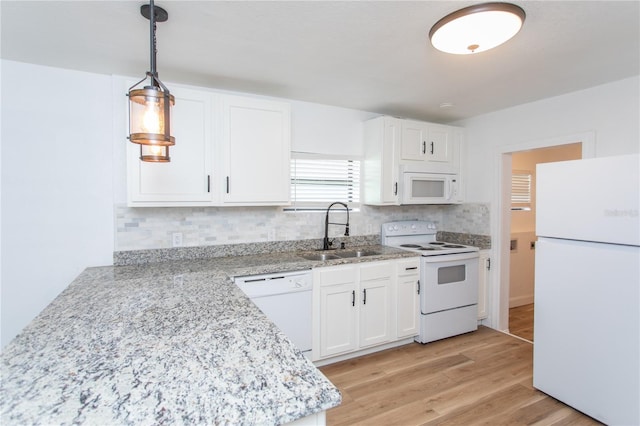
(520, 190)
(317, 182)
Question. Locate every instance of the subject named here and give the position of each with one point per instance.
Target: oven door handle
(450, 257)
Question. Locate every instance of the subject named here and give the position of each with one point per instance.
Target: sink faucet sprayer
(326, 242)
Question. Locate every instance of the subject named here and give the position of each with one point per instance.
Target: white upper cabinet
(230, 150)
(413, 145)
(426, 142)
(256, 148)
(440, 143)
(186, 179)
(380, 168)
(392, 145)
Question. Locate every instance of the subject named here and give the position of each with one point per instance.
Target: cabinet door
(484, 263)
(414, 141)
(389, 172)
(381, 160)
(185, 180)
(256, 151)
(408, 298)
(375, 312)
(375, 300)
(439, 145)
(338, 319)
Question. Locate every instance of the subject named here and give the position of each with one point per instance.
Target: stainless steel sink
(356, 253)
(319, 256)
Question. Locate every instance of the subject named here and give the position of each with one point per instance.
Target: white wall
(326, 129)
(57, 190)
(610, 112)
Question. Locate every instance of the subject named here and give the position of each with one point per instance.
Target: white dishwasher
(285, 298)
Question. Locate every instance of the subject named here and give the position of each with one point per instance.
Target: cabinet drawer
(337, 275)
(409, 266)
(375, 271)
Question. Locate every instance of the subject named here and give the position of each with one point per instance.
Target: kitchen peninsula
(161, 343)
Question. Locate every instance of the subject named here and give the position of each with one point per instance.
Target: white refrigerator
(586, 350)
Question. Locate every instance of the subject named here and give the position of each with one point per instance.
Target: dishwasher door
(286, 300)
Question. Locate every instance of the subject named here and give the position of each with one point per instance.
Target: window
(521, 190)
(317, 182)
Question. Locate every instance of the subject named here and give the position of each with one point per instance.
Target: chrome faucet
(326, 242)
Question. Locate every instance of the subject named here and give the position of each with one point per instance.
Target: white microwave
(430, 188)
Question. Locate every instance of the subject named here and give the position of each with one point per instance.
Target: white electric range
(448, 279)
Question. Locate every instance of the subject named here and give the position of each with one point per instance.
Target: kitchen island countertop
(173, 342)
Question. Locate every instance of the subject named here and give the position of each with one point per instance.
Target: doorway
(501, 221)
(522, 238)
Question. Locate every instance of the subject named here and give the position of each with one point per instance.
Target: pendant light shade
(150, 116)
(477, 28)
(150, 106)
(154, 153)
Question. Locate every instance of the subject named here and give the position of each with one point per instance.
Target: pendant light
(150, 106)
(477, 28)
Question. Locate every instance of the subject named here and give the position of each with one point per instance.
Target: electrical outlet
(176, 240)
(369, 228)
(271, 235)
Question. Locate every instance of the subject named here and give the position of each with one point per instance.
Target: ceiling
(367, 55)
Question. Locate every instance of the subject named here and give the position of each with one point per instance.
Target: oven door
(449, 281)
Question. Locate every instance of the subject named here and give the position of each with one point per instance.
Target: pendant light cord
(152, 41)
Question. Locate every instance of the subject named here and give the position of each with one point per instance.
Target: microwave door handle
(449, 189)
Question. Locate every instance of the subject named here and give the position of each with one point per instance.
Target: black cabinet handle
(227, 184)
(488, 264)
(353, 298)
(364, 301)
(395, 188)
(411, 269)
(208, 183)
(418, 283)
(424, 147)
(431, 148)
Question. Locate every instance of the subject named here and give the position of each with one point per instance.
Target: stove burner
(410, 245)
(452, 246)
(437, 243)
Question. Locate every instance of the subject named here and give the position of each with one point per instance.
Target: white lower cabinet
(484, 277)
(408, 290)
(361, 306)
(376, 316)
(338, 328)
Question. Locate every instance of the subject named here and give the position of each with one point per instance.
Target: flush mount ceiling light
(150, 106)
(477, 28)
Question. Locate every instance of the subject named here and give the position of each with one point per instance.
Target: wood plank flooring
(521, 321)
(484, 377)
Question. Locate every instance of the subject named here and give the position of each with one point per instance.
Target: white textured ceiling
(368, 55)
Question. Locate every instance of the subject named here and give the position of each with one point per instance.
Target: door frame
(501, 221)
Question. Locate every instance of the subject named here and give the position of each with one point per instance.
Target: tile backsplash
(153, 227)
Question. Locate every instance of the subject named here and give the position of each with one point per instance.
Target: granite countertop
(164, 343)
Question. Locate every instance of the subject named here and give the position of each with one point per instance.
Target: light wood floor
(484, 377)
(521, 321)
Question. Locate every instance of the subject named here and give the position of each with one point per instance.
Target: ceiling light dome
(477, 28)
